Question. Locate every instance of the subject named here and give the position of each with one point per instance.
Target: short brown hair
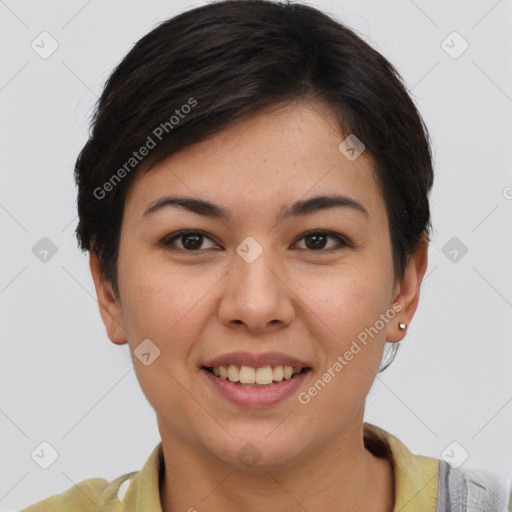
(229, 59)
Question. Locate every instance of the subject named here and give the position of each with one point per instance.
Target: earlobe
(109, 306)
(408, 291)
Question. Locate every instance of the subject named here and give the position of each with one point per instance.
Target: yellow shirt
(416, 481)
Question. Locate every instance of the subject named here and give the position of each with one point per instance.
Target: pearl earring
(402, 326)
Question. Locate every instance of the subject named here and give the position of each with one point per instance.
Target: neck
(343, 475)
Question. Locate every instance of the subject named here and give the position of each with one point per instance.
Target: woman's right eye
(190, 240)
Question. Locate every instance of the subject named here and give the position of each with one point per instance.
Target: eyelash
(168, 241)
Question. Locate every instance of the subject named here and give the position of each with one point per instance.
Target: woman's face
(256, 284)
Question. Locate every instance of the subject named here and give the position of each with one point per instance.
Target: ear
(407, 291)
(110, 307)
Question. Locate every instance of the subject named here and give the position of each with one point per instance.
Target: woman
(254, 199)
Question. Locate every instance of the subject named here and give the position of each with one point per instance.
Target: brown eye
(316, 240)
(191, 241)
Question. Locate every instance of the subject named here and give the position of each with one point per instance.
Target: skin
(306, 302)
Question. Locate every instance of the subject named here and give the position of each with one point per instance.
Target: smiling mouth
(262, 377)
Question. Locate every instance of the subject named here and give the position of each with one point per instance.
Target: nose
(257, 296)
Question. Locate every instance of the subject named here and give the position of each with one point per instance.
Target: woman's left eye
(319, 238)
(191, 241)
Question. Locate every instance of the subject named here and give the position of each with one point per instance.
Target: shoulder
(87, 496)
(124, 494)
(429, 484)
(82, 497)
(415, 476)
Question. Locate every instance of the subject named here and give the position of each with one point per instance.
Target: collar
(415, 476)
(142, 490)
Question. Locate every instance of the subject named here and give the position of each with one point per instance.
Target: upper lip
(255, 360)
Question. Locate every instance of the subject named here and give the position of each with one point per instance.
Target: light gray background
(63, 382)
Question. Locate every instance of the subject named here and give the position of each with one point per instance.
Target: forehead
(284, 151)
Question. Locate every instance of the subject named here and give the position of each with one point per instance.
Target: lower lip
(257, 397)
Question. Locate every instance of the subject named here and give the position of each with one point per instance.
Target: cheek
(351, 335)
(163, 302)
(346, 300)
(165, 308)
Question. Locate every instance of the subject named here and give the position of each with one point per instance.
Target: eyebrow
(301, 207)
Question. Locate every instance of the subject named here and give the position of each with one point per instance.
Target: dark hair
(196, 73)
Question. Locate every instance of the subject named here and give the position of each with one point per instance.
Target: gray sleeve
(471, 491)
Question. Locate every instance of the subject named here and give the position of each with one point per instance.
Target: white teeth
(264, 375)
(233, 374)
(249, 375)
(278, 372)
